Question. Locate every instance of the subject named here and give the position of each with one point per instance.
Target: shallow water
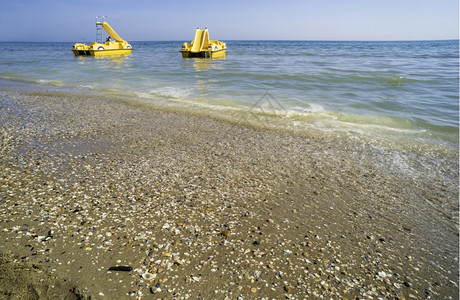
(404, 92)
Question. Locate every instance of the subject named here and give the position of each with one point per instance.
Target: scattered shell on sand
(199, 208)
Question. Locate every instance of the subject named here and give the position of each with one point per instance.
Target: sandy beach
(104, 199)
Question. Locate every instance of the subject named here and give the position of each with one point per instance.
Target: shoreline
(269, 114)
(201, 208)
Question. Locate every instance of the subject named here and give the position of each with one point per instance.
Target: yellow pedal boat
(201, 46)
(114, 45)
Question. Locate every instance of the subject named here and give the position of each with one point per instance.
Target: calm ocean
(400, 92)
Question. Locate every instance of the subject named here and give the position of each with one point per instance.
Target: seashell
(41, 238)
(148, 276)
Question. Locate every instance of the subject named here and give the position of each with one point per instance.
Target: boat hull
(102, 52)
(107, 49)
(204, 54)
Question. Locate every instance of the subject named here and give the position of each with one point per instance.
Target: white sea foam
(86, 86)
(52, 82)
(167, 92)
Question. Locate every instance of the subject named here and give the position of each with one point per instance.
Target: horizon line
(259, 40)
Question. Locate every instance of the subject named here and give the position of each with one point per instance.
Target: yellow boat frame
(202, 47)
(117, 47)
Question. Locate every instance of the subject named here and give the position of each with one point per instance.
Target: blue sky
(151, 20)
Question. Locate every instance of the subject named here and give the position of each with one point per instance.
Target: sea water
(400, 92)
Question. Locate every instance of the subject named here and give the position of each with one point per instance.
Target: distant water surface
(403, 92)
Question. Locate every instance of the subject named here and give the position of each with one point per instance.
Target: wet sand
(193, 207)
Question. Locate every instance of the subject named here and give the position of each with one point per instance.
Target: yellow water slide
(110, 31)
(201, 41)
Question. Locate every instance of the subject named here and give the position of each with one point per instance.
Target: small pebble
(121, 268)
(226, 233)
